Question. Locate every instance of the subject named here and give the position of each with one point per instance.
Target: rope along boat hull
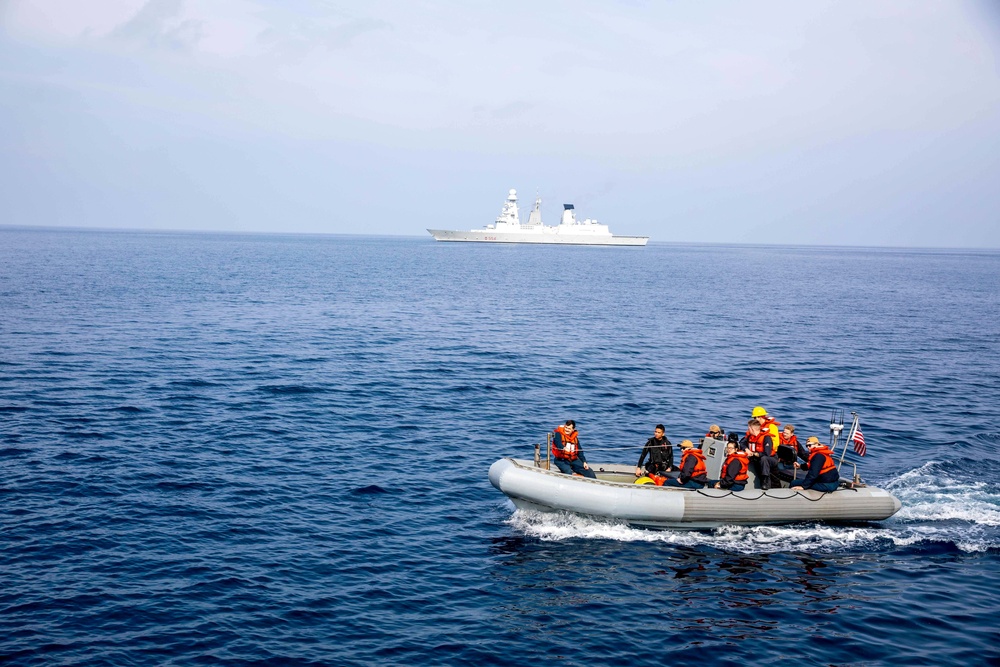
(614, 495)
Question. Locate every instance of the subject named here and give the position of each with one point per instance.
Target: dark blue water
(225, 449)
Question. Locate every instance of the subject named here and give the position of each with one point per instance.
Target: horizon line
(141, 230)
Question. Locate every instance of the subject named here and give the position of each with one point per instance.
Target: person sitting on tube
(660, 452)
(735, 470)
(566, 451)
(693, 473)
(822, 473)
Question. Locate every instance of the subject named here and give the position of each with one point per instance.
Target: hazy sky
(860, 122)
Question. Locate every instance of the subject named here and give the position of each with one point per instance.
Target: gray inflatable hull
(614, 495)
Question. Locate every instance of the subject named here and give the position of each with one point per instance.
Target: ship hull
(486, 236)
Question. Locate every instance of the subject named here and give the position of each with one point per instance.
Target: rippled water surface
(239, 450)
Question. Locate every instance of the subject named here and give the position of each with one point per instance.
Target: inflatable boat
(614, 495)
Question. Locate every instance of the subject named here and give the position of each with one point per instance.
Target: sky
(777, 122)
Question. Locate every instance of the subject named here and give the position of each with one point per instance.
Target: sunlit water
(265, 449)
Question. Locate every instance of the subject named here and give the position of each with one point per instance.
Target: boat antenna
(836, 426)
(850, 436)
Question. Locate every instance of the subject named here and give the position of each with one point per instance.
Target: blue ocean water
(251, 449)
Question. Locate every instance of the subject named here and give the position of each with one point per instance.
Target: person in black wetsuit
(660, 453)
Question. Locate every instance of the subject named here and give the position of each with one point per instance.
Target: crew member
(715, 432)
(789, 449)
(762, 450)
(735, 469)
(787, 438)
(767, 423)
(660, 453)
(823, 474)
(693, 473)
(566, 451)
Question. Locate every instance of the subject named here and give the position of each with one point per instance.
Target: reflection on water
(728, 597)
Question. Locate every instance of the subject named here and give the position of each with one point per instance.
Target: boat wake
(939, 510)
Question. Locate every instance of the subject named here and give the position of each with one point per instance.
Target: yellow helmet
(758, 412)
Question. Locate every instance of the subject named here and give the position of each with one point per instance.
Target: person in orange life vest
(748, 442)
(566, 451)
(789, 448)
(767, 423)
(787, 438)
(735, 469)
(762, 452)
(693, 474)
(823, 474)
(660, 452)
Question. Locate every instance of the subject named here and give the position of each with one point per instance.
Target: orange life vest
(570, 444)
(757, 441)
(699, 466)
(744, 460)
(791, 442)
(825, 452)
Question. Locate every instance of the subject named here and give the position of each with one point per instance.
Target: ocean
(273, 449)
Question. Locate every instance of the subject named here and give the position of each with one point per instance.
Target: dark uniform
(661, 456)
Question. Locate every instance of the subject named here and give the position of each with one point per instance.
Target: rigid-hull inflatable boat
(615, 495)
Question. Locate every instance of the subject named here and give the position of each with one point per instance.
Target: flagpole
(850, 438)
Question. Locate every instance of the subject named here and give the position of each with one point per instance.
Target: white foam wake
(938, 508)
(739, 539)
(931, 493)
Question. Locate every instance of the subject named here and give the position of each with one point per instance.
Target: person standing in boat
(822, 474)
(660, 453)
(693, 473)
(767, 423)
(566, 451)
(735, 470)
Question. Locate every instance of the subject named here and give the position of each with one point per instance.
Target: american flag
(859, 441)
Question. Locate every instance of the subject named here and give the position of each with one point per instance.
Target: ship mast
(535, 218)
